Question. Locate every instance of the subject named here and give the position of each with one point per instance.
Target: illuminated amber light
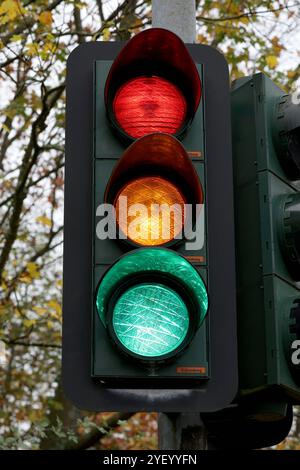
(159, 216)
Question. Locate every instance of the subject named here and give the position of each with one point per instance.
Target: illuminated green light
(150, 320)
(158, 260)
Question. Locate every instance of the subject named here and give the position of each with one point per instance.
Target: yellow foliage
(39, 310)
(201, 39)
(32, 269)
(28, 323)
(281, 445)
(46, 18)
(9, 10)
(245, 20)
(34, 415)
(25, 278)
(5, 127)
(3, 310)
(80, 4)
(44, 220)
(49, 47)
(32, 49)
(3, 285)
(272, 61)
(17, 37)
(106, 34)
(55, 305)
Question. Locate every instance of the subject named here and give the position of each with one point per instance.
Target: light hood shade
(155, 58)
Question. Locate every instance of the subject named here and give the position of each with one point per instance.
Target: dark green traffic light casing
(102, 370)
(110, 363)
(267, 238)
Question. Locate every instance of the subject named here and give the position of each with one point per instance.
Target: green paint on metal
(266, 217)
(150, 320)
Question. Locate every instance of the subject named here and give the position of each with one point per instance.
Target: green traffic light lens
(161, 262)
(150, 320)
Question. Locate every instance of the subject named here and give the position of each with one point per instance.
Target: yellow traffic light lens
(151, 320)
(150, 210)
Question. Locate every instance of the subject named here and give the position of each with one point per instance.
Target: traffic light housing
(148, 121)
(266, 144)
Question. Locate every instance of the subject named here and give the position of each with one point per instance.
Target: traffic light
(149, 269)
(266, 143)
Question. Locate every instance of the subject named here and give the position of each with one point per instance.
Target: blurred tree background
(36, 37)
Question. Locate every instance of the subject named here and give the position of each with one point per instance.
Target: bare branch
(99, 4)
(246, 14)
(32, 151)
(78, 24)
(30, 345)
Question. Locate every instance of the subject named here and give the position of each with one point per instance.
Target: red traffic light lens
(149, 104)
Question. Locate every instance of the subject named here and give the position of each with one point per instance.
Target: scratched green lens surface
(159, 260)
(150, 320)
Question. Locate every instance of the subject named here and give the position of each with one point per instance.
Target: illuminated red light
(149, 104)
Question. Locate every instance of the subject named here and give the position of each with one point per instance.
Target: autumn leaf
(32, 49)
(80, 5)
(3, 310)
(3, 285)
(32, 269)
(245, 20)
(46, 18)
(16, 37)
(55, 305)
(44, 220)
(49, 48)
(272, 61)
(28, 323)
(106, 34)
(9, 9)
(25, 278)
(34, 415)
(39, 310)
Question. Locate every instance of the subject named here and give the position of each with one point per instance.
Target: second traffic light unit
(266, 136)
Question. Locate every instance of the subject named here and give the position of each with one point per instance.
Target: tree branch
(30, 345)
(95, 435)
(78, 24)
(28, 23)
(246, 14)
(99, 3)
(30, 157)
